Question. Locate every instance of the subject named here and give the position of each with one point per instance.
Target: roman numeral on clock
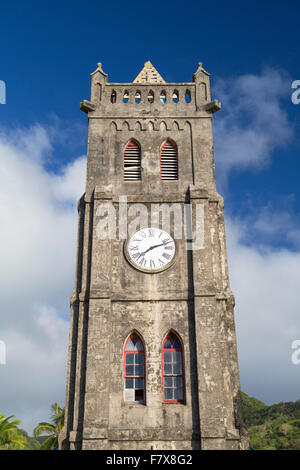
(152, 264)
(142, 262)
(135, 247)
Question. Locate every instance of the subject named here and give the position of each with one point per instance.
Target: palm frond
(42, 428)
(50, 443)
(57, 414)
(4, 421)
(10, 438)
(51, 429)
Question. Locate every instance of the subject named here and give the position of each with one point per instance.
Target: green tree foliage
(10, 436)
(52, 429)
(275, 427)
(31, 442)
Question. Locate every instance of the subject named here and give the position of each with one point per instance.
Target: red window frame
(180, 349)
(125, 353)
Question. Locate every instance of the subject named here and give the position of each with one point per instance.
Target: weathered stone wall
(112, 299)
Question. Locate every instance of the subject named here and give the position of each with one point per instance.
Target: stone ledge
(95, 433)
(102, 295)
(199, 192)
(152, 434)
(213, 106)
(87, 106)
(151, 199)
(227, 296)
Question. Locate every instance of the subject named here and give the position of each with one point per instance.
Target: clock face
(151, 250)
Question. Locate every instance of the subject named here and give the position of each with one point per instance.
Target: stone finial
(200, 69)
(99, 69)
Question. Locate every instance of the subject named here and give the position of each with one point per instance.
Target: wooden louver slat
(132, 162)
(168, 162)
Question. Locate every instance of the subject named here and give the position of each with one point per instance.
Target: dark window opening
(187, 96)
(151, 96)
(113, 97)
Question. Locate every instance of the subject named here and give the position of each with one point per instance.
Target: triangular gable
(149, 74)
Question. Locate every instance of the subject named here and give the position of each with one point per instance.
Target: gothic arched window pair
(172, 370)
(132, 161)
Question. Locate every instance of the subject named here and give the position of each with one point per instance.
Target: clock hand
(151, 248)
(156, 246)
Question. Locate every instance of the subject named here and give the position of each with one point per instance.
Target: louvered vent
(132, 162)
(168, 162)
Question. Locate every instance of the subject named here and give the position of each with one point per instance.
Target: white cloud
(264, 279)
(65, 186)
(276, 224)
(33, 143)
(252, 122)
(37, 252)
(266, 286)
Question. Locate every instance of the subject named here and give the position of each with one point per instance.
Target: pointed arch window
(132, 162)
(188, 97)
(175, 96)
(163, 97)
(168, 161)
(113, 97)
(150, 96)
(138, 97)
(134, 370)
(125, 97)
(172, 367)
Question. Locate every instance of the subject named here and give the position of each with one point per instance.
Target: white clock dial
(151, 249)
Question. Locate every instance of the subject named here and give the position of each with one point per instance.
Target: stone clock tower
(152, 355)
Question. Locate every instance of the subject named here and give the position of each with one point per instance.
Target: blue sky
(48, 51)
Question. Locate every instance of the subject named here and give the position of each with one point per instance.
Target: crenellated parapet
(149, 96)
